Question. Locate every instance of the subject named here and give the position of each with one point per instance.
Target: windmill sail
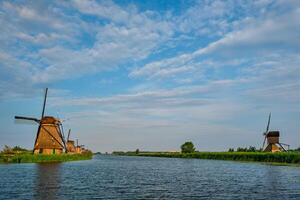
(27, 118)
(45, 100)
(69, 135)
(268, 124)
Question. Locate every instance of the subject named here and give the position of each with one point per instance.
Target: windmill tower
(70, 144)
(272, 138)
(49, 138)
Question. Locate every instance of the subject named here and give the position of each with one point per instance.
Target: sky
(152, 74)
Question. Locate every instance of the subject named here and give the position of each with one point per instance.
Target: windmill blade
(44, 105)
(284, 144)
(27, 118)
(69, 134)
(268, 123)
(264, 143)
(288, 146)
(282, 147)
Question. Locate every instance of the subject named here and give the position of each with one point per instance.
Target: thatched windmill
(272, 138)
(49, 138)
(70, 144)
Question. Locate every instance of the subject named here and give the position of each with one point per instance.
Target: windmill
(49, 138)
(272, 138)
(70, 144)
(79, 148)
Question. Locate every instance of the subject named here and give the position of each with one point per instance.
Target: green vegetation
(19, 155)
(295, 150)
(241, 149)
(282, 157)
(187, 147)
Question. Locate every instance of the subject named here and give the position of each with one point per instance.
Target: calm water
(114, 177)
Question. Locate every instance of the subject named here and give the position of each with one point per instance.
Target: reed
(282, 157)
(33, 158)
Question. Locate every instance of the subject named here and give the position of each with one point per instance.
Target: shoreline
(283, 158)
(39, 158)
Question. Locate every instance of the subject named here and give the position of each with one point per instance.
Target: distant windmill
(79, 148)
(272, 138)
(70, 144)
(49, 138)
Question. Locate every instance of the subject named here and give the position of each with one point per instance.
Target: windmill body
(273, 144)
(49, 138)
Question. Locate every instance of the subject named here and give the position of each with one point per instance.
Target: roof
(273, 134)
(71, 141)
(50, 120)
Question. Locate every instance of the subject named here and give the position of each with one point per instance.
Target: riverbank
(39, 158)
(282, 157)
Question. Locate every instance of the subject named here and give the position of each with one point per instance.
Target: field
(31, 158)
(283, 157)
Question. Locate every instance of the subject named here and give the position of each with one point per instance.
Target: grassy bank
(31, 158)
(283, 157)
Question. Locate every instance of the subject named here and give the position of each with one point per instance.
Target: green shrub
(187, 147)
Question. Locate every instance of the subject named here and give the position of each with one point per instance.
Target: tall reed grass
(32, 158)
(280, 157)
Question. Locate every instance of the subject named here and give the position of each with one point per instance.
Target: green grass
(282, 157)
(32, 158)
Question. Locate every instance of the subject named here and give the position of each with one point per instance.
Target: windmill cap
(49, 120)
(273, 134)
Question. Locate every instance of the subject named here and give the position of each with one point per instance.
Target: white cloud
(106, 9)
(257, 39)
(59, 54)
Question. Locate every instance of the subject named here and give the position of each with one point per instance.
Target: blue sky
(152, 74)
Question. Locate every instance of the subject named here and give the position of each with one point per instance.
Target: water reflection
(273, 182)
(48, 179)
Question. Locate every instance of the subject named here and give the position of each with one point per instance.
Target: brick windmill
(49, 138)
(272, 138)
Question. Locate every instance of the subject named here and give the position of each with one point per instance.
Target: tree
(252, 149)
(231, 150)
(7, 150)
(137, 151)
(18, 148)
(187, 147)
